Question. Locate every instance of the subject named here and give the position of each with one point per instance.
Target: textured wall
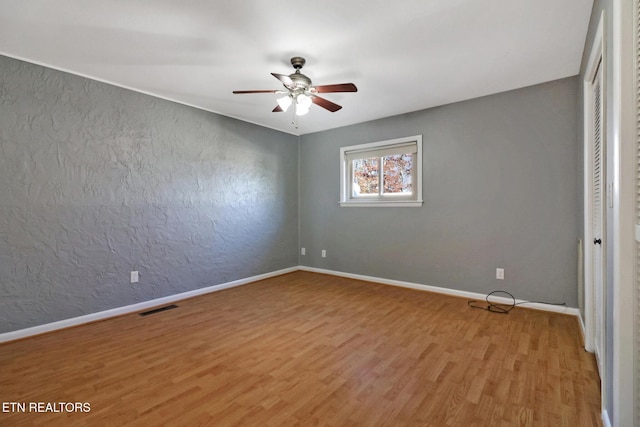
(98, 181)
(501, 189)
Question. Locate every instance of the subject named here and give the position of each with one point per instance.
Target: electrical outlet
(134, 277)
(500, 273)
(324, 253)
(303, 251)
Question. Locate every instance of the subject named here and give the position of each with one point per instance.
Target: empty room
(319, 213)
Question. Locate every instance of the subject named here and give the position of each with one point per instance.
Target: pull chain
(294, 119)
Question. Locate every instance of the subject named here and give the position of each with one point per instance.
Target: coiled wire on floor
(505, 308)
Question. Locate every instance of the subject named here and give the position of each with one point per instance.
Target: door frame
(597, 59)
(624, 134)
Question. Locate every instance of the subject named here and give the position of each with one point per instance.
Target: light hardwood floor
(310, 349)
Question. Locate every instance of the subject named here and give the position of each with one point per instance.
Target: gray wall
(98, 181)
(502, 188)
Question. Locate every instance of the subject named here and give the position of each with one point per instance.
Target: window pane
(365, 176)
(397, 173)
(382, 173)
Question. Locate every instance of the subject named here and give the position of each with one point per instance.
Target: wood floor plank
(309, 349)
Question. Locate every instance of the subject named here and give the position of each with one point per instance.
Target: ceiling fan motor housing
(300, 81)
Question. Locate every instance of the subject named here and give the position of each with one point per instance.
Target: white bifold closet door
(598, 212)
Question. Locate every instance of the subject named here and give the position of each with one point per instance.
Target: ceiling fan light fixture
(285, 102)
(303, 99)
(303, 102)
(301, 111)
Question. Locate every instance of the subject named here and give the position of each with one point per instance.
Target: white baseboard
(133, 308)
(583, 329)
(605, 418)
(446, 291)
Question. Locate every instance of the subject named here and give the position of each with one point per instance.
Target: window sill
(382, 204)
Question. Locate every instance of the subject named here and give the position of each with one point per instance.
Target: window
(385, 173)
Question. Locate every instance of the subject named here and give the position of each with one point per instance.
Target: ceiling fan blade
(326, 104)
(342, 87)
(286, 80)
(254, 91)
(278, 109)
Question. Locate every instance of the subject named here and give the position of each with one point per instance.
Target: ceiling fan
(299, 92)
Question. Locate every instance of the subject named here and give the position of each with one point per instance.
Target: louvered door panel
(598, 217)
(597, 156)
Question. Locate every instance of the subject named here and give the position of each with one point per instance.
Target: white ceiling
(403, 55)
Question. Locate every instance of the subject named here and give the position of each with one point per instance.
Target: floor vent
(158, 310)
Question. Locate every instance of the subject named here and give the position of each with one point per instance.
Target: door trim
(623, 132)
(596, 57)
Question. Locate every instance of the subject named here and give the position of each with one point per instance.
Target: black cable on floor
(502, 308)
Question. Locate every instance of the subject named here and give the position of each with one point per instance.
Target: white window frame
(392, 200)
